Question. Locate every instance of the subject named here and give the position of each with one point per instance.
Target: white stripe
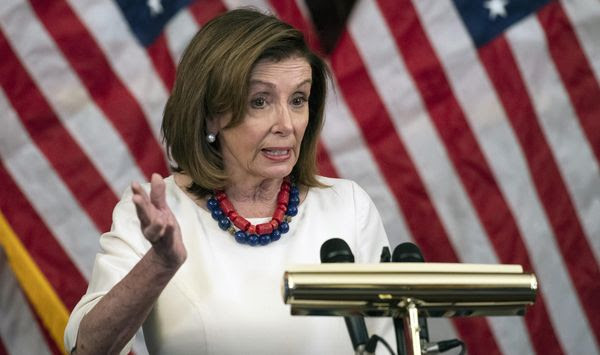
(573, 155)
(585, 18)
(128, 58)
(179, 32)
(559, 121)
(353, 160)
(400, 96)
(46, 191)
(69, 98)
(571, 149)
(19, 330)
(487, 118)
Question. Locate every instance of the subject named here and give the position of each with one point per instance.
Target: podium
(408, 290)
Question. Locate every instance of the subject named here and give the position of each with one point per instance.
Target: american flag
(473, 125)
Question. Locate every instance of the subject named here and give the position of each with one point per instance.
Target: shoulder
(343, 187)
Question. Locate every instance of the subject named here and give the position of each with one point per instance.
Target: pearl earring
(211, 138)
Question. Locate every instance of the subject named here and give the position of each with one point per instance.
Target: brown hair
(213, 79)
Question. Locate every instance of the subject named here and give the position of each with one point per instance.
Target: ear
(213, 125)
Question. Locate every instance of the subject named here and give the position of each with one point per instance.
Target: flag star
(155, 7)
(496, 8)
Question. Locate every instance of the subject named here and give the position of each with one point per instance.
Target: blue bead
(294, 191)
(294, 200)
(284, 227)
(292, 210)
(212, 204)
(264, 239)
(217, 214)
(253, 239)
(275, 235)
(241, 237)
(224, 223)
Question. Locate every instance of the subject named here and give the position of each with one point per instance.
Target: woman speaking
(197, 258)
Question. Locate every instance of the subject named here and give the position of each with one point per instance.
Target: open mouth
(277, 153)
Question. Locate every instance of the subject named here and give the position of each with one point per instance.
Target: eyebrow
(271, 85)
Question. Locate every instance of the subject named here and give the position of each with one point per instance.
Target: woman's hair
(213, 79)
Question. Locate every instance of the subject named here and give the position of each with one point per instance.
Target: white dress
(226, 298)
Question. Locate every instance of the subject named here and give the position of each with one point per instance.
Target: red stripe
(463, 149)
(60, 149)
(162, 61)
(108, 91)
(581, 264)
(48, 254)
(575, 72)
(401, 175)
(204, 11)
(326, 167)
(289, 12)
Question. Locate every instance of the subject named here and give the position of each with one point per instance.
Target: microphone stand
(411, 324)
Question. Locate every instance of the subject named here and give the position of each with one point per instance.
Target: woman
(199, 260)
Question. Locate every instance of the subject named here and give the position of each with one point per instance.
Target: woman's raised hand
(158, 223)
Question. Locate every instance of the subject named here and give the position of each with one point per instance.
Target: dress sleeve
(121, 248)
(370, 231)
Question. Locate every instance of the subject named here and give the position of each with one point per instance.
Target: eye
(299, 100)
(258, 102)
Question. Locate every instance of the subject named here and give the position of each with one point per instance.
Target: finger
(157, 191)
(141, 210)
(142, 203)
(153, 233)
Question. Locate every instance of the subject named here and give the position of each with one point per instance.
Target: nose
(283, 122)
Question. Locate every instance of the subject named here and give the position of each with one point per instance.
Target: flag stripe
(41, 188)
(203, 11)
(54, 263)
(54, 141)
(575, 72)
(486, 117)
(399, 172)
(40, 293)
(503, 72)
(127, 57)
(463, 149)
(162, 60)
(421, 139)
(179, 31)
(66, 95)
(583, 15)
(17, 318)
(576, 251)
(111, 96)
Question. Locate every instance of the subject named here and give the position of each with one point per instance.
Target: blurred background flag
(473, 125)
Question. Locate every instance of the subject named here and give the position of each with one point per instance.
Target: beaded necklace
(224, 213)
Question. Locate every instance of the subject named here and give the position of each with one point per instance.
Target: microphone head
(336, 250)
(407, 253)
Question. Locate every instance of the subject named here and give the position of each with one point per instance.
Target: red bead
(232, 215)
(220, 195)
(274, 224)
(283, 197)
(278, 215)
(226, 206)
(251, 229)
(264, 228)
(285, 186)
(241, 223)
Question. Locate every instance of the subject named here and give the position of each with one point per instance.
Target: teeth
(277, 152)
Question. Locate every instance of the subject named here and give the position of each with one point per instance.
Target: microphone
(336, 250)
(410, 253)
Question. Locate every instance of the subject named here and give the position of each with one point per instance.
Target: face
(266, 144)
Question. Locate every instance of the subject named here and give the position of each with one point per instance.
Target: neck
(254, 198)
